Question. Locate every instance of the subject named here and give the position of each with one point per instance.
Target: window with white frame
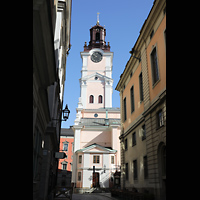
(65, 146)
(95, 159)
(160, 119)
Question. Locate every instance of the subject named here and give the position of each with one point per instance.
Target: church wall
(95, 91)
(102, 138)
(112, 115)
(96, 79)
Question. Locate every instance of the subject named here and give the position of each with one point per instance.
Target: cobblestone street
(98, 196)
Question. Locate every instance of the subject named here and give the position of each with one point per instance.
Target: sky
(123, 21)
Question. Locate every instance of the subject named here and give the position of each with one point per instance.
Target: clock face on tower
(96, 57)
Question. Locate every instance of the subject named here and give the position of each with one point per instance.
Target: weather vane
(98, 18)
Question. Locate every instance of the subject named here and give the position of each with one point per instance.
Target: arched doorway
(162, 169)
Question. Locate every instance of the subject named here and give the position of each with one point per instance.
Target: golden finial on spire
(98, 18)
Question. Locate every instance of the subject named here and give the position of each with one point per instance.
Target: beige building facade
(142, 88)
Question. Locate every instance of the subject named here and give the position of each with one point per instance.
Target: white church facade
(96, 157)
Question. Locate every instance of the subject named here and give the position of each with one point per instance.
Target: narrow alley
(90, 196)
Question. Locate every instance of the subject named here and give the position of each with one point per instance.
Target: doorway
(95, 180)
(162, 170)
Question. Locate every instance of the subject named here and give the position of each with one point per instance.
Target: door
(95, 179)
(162, 170)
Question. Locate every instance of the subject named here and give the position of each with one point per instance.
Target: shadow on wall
(104, 183)
(100, 140)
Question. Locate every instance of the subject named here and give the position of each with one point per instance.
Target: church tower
(96, 75)
(96, 155)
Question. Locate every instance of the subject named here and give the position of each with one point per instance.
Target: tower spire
(98, 18)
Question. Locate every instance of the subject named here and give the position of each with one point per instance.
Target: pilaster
(145, 75)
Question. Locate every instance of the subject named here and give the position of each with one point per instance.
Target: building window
(152, 33)
(79, 176)
(145, 167)
(80, 159)
(141, 87)
(91, 99)
(95, 159)
(72, 146)
(112, 159)
(135, 174)
(160, 120)
(126, 171)
(65, 147)
(134, 139)
(125, 109)
(100, 99)
(64, 166)
(154, 66)
(143, 132)
(132, 99)
(126, 144)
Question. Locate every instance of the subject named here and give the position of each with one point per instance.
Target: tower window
(100, 99)
(91, 99)
(97, 36)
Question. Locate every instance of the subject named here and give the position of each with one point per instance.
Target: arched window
(91, 99)
(100, 99)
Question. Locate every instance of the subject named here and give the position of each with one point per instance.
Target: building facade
(97, 125)
(142, 88)
(51, 45)
(65, 164)
(66, 146)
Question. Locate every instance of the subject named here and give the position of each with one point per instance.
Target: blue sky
(123, 21)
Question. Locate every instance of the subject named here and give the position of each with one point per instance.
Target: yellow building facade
(142, 88)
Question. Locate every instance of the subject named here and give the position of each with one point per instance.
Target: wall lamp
(65, 112)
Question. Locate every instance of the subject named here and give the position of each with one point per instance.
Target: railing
(63, 192)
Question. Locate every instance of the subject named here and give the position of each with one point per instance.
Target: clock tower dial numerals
(96, 57)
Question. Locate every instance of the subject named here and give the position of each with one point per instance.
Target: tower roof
(97, 38)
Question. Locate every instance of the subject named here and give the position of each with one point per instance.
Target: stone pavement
(93, 196)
